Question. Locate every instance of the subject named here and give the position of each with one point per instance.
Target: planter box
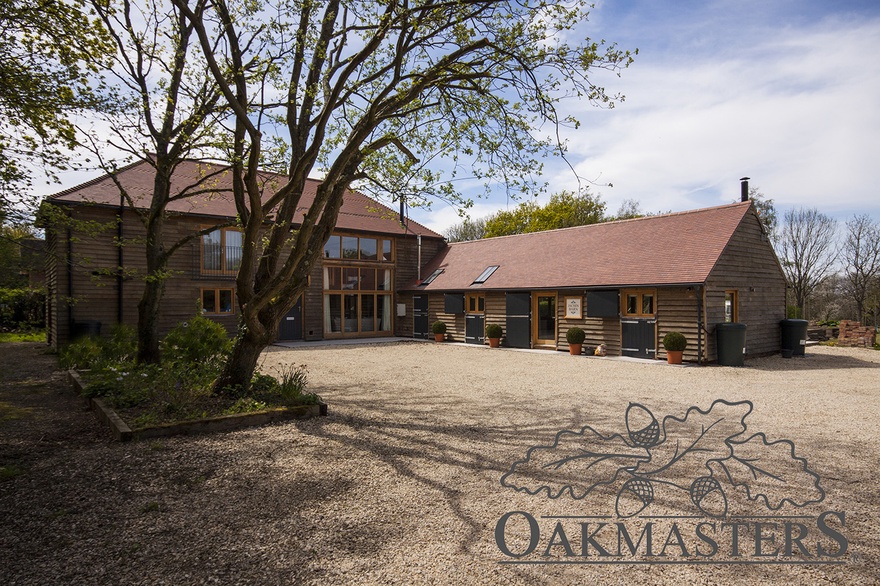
(123, 433)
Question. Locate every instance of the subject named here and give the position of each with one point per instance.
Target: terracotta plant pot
(575, 349)
(439, 337)
(494, 342)
(674, 356)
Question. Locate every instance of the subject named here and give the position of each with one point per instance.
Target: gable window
(639, 302)
(731, 307)
(217, 301)
(484, 276)
(221, 252)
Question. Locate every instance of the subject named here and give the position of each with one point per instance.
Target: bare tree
(807, 249)
(381, 95)
(861, 260)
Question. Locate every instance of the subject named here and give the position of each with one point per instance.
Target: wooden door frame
(544, 343)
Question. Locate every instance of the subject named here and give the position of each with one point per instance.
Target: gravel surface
(401, 483)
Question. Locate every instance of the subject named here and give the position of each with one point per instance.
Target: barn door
(291, 324)
(421, 327)
(519, 320)
(638, 338)
(475, 318)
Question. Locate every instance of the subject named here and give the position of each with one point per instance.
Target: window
(217, 301)
(484, 276)
(430, 278)
(731, 306)
(639, 302)
(221, 252)
(357, 300)
(476, 303)
(356, 248)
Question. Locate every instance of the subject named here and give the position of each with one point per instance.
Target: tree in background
(377, 95)
(806, 245)
(467, 230)
(766, 211)
(564, 210)
(50, 54)
(861, 262)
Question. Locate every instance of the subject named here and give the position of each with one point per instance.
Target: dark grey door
(638, 338)
(474, 328)
(291, 324)
(421, 327)
(519, 320)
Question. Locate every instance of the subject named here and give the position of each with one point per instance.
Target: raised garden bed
(123, 432)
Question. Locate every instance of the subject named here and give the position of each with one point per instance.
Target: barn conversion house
(94, 283)
(626, 283)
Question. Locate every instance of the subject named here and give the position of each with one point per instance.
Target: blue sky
(785, 92)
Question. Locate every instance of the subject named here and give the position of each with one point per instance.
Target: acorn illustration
(647, 434)
(709, 497)
(634, 496)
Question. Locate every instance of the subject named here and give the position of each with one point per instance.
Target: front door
(291, 324)
(475, 318)
(638, 324)
(421, 327)
(544, 321)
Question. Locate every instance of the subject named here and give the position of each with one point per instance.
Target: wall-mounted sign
(573, 308)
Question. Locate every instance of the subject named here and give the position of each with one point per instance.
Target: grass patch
(38, 336)
(8, 411)
(9, 472)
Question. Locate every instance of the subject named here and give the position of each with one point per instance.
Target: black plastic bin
(86, 327)
(794, 337)
(731, 338)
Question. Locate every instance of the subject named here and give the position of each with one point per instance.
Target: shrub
(85, 353)
(675, 341)
(494, 331)
(575, 335)
(438, 327)
(22, 310)
(196, 341)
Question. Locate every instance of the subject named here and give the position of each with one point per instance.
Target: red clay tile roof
(358, 213)
(679, 248)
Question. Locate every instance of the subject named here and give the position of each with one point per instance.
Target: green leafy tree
(381, 96)
(766, 211)
(564, 210)
(50, 54)
(467, 230)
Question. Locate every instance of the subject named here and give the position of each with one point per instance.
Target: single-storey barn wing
(626, 283)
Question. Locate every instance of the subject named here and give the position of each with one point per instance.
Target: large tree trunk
(148, 322)
(239, 368)
(157, 265)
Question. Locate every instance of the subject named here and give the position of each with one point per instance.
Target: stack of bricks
(855, 335)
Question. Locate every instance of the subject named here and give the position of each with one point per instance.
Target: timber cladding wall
(749, 267)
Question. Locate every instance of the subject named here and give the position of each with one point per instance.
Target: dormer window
(484, 276)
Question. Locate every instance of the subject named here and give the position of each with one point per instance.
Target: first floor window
(217, 301)
(221, 252)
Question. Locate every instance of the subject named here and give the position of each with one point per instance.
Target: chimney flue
(744, 183)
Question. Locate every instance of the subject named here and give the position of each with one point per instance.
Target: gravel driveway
(401, 483)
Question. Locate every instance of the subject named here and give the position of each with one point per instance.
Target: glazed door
(519, 320)
(544, 322)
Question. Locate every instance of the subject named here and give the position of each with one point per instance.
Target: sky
(784, 92)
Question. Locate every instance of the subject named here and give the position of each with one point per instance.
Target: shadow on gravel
(812, 362)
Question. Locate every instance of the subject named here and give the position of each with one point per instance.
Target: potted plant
(674, 343)
(494, 333)
(575, 338)
(438, 328)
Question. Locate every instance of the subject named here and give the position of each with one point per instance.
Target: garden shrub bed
(178, 396)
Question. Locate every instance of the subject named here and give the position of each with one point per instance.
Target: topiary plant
(494, 331)
(438, 327)
(575, 335)
(675, 342)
